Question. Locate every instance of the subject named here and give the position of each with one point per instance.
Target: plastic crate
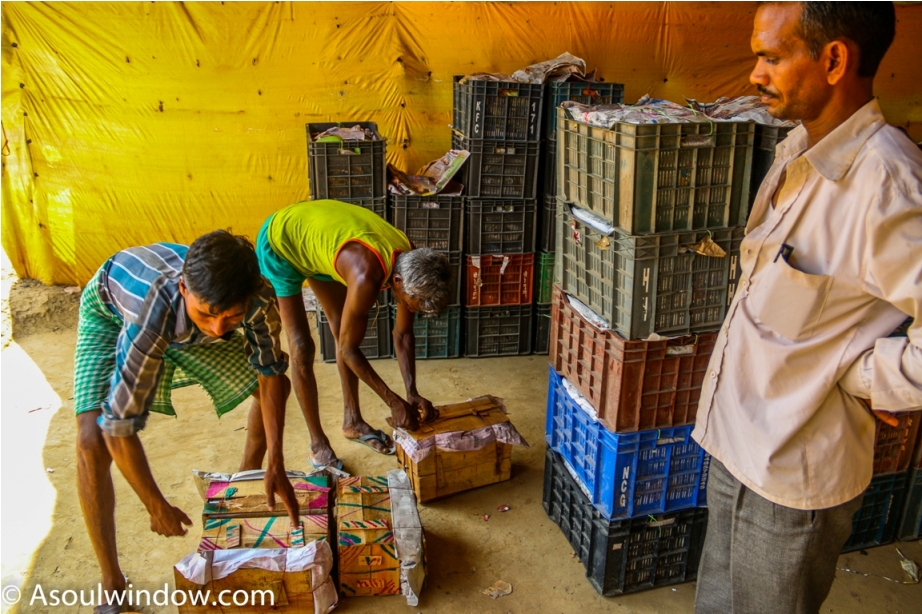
(654, 178)
(375, 205)
(763, 155)
(547, 224)
(910, 526)
(500, 226)
(499, 169)
(499, 280)
(437, 336)
(584, 93)
(542, 328)
(497, 331)
(632, 385)
(349, 169)
(549, 169)
(629, 474)
(876, 522)
(894, 445)
(544, 279)
(429, 221)
(498, 109)
(648, 284)
(377, 342)
(623, 556)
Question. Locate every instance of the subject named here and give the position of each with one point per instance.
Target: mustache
(766, 92)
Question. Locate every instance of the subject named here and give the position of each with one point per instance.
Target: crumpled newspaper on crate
(355, 133)
(434, 178)
(561, 68)
(749, 108)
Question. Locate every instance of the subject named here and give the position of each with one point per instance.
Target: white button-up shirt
(827, 274)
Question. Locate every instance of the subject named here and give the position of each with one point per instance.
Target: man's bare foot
(322, 455)
(364, 433)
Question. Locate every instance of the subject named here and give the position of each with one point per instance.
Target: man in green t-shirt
(348, 255)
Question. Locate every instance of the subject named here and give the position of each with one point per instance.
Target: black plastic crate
(584, 93)
(375, 205)
(499, 169)
(437, 335)
(623, 556)
(348, 170)
(377, 342)
(763, 155)
(910, 526)
(542, 329)
(498, 109)
(648, 284)
(549, 169)
(500, 226)
(456, 261)
(547, 224)
(429, 221)
(875, 523)
(497, 331)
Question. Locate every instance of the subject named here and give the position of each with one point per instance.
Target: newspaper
(564, 67)
(433, 178)
(355, 133)
(739, 108)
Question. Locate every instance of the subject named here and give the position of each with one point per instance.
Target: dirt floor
(44, 540)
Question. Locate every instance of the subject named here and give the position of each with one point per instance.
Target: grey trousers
(763, 557)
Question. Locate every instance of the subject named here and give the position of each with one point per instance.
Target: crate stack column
(353, 172)
(556, 93)
(434, 222)
(500, 124)
(638, 207)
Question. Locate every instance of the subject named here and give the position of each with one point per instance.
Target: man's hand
(277, 484)
(426, 409)
(884, 416)
(403, 415)
(168, 520)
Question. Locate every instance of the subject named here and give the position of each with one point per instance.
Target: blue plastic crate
(630, 474)
(875, 523)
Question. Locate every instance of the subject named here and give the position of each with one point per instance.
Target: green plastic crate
(545, 278)
(656, 178)
(437, 336)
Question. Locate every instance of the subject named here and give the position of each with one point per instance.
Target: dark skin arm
(272, 396)
(362, 272)
(405, 349)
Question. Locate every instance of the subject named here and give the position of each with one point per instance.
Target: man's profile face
(791, 83)
(205, 319)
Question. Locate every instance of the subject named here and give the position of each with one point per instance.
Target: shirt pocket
(790, 302)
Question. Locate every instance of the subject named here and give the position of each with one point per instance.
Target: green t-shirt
(310, 234)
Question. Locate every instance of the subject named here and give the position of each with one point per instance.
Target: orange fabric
(135, 122)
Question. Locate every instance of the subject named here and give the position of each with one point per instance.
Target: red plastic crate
(633, 385)
(893, 445)
(499, 280)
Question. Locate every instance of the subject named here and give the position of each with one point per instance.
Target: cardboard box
(467, 446)
(380, 537)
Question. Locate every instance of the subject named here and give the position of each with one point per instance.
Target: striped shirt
(140, 286)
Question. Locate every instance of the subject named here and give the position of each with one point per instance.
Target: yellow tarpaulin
(129, 123)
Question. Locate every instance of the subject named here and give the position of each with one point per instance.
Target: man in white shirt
(831, 264)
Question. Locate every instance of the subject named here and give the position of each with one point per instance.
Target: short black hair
(221, 269)
(870, 25)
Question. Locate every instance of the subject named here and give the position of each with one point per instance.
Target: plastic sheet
(128, 123)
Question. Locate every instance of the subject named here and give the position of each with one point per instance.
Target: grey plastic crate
(497, 331)
(348, 170)
(498, 109)
(763, 155)
(377, 342)
(496, 226)
(648, 284)
(542, 329)
(377, 206)
(577, 91)
(437, 335)
(656, 178)
(547, 224)
(499, 169)
(429, 221)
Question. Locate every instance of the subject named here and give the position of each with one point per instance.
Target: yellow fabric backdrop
(129, 123)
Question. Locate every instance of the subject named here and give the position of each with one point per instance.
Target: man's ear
(840, 59)
(183, 289)
(396, 280)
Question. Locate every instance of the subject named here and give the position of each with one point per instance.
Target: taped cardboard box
(467, 446)
(380, 537)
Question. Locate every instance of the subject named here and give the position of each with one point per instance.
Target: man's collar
(834, 154)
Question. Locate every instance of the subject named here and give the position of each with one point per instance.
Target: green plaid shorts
(221, 368)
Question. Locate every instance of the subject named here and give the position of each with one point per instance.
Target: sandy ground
(44, 540)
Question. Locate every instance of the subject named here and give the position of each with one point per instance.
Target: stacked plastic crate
(910, 525)
(353, 172)
(557, 92)
(499, 123)
(640, 291)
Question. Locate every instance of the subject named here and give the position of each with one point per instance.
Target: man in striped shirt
(159, 317)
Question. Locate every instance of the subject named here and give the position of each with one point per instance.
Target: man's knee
(90, 443)
(304, 348)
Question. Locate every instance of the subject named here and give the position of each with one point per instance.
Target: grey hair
(426, 277)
